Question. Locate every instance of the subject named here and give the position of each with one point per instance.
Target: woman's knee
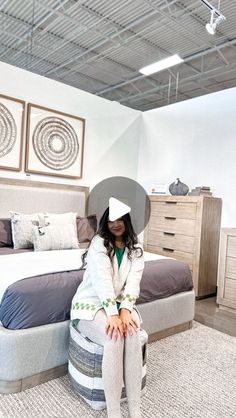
(135, 317)
(134, 336)
(94, 329)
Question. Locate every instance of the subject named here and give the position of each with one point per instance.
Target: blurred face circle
(116, 227)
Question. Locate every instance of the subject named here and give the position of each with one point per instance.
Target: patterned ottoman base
(85, 368)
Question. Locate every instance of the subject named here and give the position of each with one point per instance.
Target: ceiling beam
(215, 72)
(187, 59)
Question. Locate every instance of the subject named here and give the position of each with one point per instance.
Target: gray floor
(208, 313)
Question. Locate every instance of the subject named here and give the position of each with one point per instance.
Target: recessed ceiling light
(161, 65)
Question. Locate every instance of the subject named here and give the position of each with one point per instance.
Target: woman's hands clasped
(114, 327)
(120, 325)
(129, 324)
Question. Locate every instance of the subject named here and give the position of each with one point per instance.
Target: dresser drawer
(230, 289)
(179, 255)
(170, 240)
(231, 246)
(230, 270)
(174, 209)
(172, 224)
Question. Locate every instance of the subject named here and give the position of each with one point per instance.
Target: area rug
(191, 374)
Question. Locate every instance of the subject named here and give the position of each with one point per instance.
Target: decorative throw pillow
(86, 228)
(5, 233)
(57, 218)
(21, 226)
(54, 237)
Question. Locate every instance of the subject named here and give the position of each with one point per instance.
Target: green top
(119, 254)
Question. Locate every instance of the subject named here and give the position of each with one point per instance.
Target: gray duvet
(47, 299)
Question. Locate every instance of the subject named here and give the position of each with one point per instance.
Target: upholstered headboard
(33, 196)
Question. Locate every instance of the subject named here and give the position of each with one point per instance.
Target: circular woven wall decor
(8, 131)
(55, 143)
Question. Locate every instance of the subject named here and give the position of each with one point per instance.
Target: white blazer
(104, 283)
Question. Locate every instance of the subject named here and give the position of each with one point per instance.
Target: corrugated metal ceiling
(99, 46)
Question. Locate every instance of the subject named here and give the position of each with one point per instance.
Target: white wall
(111, 132)
(196, 141)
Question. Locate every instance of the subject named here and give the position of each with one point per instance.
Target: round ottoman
(85, 368)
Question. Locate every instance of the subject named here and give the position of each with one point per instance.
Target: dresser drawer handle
(169, 233)
(171, 202)
(170, 217)
(168, 249)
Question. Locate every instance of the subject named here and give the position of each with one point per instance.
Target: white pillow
(57, 218)
(21, 226)
(55, 237)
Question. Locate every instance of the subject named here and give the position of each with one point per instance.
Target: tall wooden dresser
(226, 293)
(188, 229)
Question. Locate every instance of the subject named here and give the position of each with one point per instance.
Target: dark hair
(130, 237)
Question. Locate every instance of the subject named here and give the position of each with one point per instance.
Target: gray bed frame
(29, 357)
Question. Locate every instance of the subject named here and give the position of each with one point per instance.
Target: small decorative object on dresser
(226, 292)
(178, 188)
(159, 189)
(187, 228)
(201, 190)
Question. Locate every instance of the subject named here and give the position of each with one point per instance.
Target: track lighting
(211, 27)
(216, 18)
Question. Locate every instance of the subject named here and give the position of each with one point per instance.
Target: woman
(104, 305)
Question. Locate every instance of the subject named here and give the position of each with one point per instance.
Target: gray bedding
(10, 250)
(45, 299)
(164, 278)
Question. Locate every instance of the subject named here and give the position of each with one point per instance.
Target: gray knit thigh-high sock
(112, 374)
(133, 372)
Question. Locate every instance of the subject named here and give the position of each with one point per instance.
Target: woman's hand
(129, 324)
(114, 327)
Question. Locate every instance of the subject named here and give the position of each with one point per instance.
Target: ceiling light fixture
(161, 65)
(211, 27)
(216, 18)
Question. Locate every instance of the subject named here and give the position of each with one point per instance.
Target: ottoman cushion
(85, 368)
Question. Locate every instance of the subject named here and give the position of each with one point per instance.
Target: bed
(30, 355)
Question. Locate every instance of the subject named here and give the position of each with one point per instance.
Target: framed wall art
(11, 132)
(55, 142)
